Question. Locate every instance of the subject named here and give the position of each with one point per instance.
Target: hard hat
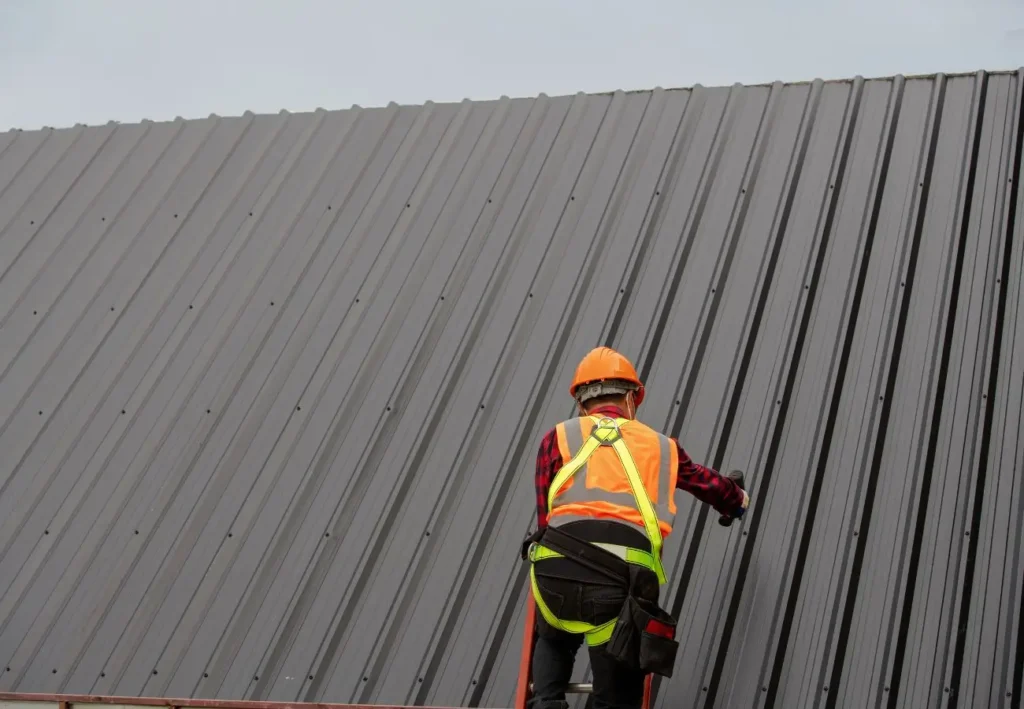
(603, 364)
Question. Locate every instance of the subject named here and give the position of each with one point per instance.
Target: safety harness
(612, 560)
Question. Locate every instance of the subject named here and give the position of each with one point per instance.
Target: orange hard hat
(605, 364)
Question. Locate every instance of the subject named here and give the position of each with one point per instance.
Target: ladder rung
(575, 688)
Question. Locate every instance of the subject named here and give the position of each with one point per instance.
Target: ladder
(525, 685)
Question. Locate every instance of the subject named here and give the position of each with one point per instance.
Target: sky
(64, 62)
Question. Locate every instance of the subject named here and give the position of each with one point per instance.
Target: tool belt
(643, 636)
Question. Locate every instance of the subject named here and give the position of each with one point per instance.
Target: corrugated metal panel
(271, 388)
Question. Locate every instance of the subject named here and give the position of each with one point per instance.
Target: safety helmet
(604, 371)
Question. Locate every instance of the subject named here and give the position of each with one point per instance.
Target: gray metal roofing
(272, 388)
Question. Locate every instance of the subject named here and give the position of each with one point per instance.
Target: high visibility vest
(601, 488)
(620, 470)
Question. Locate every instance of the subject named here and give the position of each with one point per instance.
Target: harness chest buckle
(607, 431)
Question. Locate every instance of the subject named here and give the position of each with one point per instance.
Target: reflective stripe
(643, 501)
(664, 509)
(580, 493)
(630, 555)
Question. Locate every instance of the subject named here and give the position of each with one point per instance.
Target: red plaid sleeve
(549, 462)
(708, 485)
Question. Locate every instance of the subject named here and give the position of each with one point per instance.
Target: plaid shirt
(705, 484)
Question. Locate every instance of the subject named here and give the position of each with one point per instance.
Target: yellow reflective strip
(643, 502)
(539, 553)
(601, 634)
(641, 558)
(571, 468)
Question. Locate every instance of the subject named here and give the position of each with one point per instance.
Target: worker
(605, 502)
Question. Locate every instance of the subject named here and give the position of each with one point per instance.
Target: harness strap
(607, 432)
(628, 554)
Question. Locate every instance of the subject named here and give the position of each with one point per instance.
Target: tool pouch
(644, 638)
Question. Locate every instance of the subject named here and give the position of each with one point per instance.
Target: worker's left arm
(549, 461)
(709, 486)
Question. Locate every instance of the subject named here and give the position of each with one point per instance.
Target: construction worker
(605, 502)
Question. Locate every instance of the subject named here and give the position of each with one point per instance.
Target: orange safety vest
(601, 489)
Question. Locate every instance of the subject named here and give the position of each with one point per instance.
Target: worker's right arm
(710, 486)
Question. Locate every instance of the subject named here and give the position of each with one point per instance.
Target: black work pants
(554, 654)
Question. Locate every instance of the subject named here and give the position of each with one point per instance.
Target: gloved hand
(737, 477)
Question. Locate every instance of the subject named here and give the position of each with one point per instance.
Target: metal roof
(271, 388)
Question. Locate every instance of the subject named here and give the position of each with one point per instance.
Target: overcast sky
(91, 61)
